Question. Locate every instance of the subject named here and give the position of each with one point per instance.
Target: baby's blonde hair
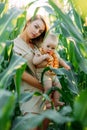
(51, 36)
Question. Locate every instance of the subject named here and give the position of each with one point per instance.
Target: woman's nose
(37, 31)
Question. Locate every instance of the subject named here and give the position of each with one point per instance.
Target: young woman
(24, 45)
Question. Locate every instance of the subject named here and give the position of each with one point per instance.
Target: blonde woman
(24, 45)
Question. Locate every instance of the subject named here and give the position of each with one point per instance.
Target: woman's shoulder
(20, 46)
(20, 43)
(18, 40)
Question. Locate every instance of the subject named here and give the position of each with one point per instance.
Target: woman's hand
(42, 65)
(28, 78)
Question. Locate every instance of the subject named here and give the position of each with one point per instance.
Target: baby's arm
(64, 64)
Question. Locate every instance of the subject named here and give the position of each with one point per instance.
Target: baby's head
(50, 43)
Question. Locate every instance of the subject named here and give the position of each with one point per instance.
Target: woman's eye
(36, 26)
(48, 46)
(40, 31)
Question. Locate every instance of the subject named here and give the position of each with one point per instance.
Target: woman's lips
(33, 35)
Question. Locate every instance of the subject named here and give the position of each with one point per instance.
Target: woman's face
(35, 28)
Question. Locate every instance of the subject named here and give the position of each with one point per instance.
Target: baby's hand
(67, 67)
(46, 56)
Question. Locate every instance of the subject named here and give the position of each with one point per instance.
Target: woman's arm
(31, 80)
(42, 65)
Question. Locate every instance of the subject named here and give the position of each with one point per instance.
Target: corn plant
(72, 39)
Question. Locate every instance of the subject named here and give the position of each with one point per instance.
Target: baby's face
(49, 47)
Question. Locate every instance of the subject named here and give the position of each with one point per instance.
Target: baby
(48, 53)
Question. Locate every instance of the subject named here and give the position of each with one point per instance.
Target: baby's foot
(58, 103)
(48, 105)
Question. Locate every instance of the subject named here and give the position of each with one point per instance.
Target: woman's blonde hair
(40, 38)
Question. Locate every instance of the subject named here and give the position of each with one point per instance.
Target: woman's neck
(25, 38)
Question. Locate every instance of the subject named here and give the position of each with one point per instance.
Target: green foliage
(69, 25)
(31, 120)
(80, 108)
(8, 73)
(1, 7)
(72, 40)
(10, 66)
(7, 21)
(7, 104)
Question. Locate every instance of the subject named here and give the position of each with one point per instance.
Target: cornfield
(71, 28)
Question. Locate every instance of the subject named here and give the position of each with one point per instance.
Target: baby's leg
(56, 94)
(47, 86)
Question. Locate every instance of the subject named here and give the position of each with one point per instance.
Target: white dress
(34, 104)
